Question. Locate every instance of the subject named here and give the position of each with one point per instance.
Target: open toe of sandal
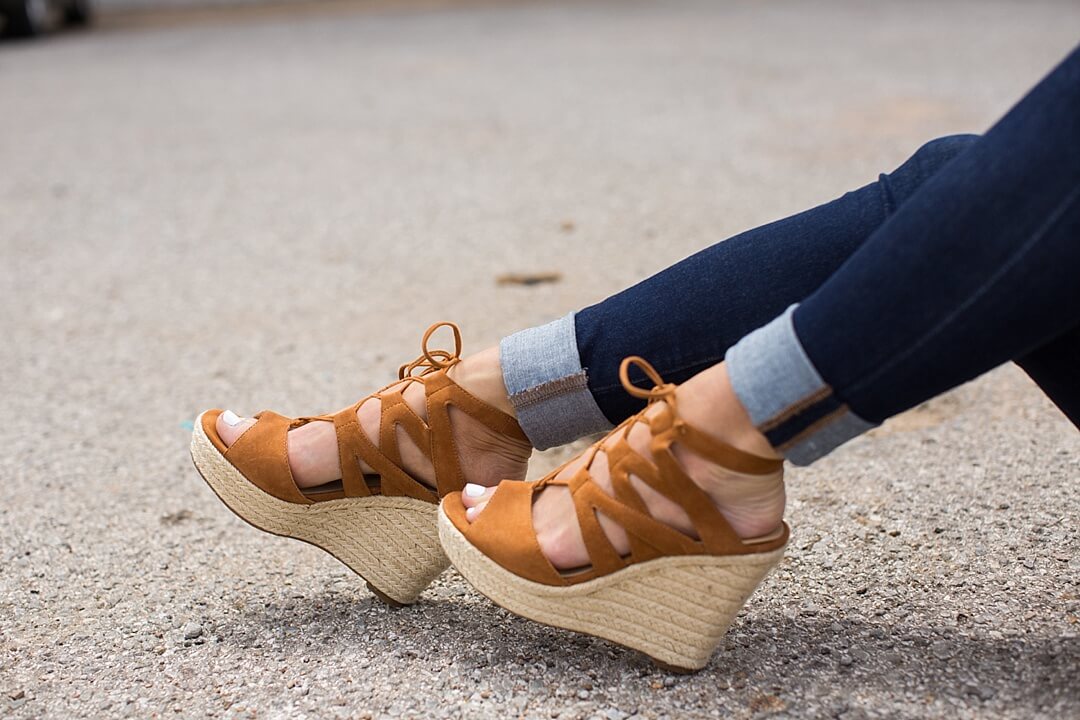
(382, 524)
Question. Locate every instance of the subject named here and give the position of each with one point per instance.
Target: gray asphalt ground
(268, 213)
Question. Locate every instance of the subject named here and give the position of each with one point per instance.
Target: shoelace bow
(433, 360)
(428, 362)
(660, 391)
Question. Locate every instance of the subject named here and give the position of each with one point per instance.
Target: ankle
(481, 375)
(708, 402)
(753, 506)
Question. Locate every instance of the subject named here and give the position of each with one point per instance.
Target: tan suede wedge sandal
(673, 597)
(382, 526)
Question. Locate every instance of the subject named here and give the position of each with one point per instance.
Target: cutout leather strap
(396, 413)
(262, 451)
(505, 533)
(349, 441)
(626, 464)
(709, 523)
(441, 393)
(433, 436)
(649, 537)
(602, 554)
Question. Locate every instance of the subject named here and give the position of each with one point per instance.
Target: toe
(231, 426)
(474, 512)
(474, 495)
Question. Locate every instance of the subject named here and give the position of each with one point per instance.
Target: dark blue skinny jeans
(965, 257)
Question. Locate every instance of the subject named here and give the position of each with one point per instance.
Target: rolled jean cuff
(548, 387)
(786, 397)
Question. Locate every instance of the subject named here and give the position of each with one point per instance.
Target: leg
(564, 376)
(976, 269)
(799, 253)
(1054, 367)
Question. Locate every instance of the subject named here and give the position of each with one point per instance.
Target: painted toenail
(231, 419)
(474, 491)
(470, 513)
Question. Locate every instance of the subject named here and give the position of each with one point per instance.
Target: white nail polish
(470, 514)
(475, 491)
(231, 419)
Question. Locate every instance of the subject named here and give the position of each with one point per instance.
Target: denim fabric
(965, 271)
(684, 318)
(775, 381)
(1054, 367)
(547, 385)
(978, 267)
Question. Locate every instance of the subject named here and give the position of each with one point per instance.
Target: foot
(754, 506)
(486, 456)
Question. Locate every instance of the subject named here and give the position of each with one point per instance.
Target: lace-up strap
(261, 452)
(660, 390)
(657, 469)
(385, 459)
(433, 360)
(443, 396)
(433, 436)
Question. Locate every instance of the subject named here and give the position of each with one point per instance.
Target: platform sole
(391, 542)
(674, 609)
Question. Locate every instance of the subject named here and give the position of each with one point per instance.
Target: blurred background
(210, 203)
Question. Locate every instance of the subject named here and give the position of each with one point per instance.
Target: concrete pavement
(267, 213)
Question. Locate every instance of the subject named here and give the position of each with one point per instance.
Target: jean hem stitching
(566, 385)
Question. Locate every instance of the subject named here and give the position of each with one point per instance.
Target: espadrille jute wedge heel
(382, 525)
(674, 596)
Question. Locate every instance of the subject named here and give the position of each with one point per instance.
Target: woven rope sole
(675, 610)
(391, 542)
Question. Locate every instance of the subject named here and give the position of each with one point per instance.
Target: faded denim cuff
(548, 387)
(786, 397)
